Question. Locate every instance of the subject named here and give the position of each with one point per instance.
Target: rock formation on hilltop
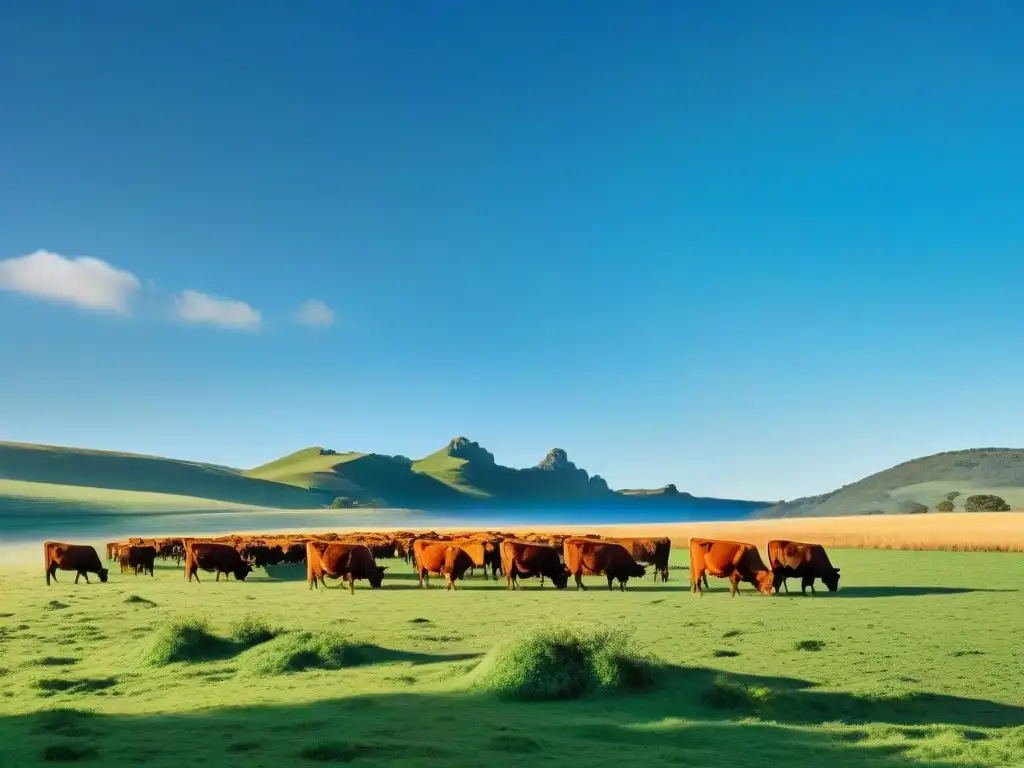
(464, 448)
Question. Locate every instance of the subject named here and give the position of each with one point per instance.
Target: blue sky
(758, 250)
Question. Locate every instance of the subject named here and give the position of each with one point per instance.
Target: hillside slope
(35, 478)
(952, 476)
(73, 476)
(461, 473)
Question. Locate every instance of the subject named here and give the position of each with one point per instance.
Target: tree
(952, 495)
(944, 506)
(984, 502)
(911, 507)
(342, 502)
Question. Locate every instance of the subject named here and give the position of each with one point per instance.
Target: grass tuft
(299, 651)
(50, 686)
(188, 640)
(137, 600)
(56, 605)
(725, 654)
(809, 645)
(55, 661)
(252, 630)
(562, 663)
(735, 696)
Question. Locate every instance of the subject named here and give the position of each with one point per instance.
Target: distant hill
(462, 472)
(34, 477)
(920, 485)
(38, 477)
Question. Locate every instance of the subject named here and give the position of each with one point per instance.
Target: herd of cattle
(354, 557)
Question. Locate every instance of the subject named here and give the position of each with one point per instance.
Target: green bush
(342, 502)
(944, 506)
(952, 495)
(986, 503)
(911, 507)
(562, 663)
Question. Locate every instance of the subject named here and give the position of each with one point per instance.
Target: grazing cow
(440, 557)
(214, 557)
(652, 551)
(484, 553)
(593, 557)
(733, 560)
(808, 561)
(522, 559)
(80, 558)
(113, 549)
(138, 559)
(351, 561)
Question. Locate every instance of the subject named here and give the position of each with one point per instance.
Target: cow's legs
(77, 574)
(610, 580)
(579, 581)
(734, 584)
(808, 581)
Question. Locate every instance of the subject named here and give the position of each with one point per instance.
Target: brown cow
(80, 558)
(440, 557)
(484, 552)
(655, 552)
(137, 558)
(593, 557)
(808, 561)
(351, 561)
(113, 548)
(212, 556)
(733, 560)
(522, 559)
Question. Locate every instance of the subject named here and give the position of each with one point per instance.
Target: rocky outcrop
(464, 448)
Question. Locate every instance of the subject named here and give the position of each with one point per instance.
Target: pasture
(916, 660)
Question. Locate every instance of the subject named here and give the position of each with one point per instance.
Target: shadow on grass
(687, 719)
(898, 591)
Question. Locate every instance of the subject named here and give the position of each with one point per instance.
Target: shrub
(911, 507)
(952, 495)
(986, 503)
(342, 502)
(555, 663)
(944, 506)
(186, 639)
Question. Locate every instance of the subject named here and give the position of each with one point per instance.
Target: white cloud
(82, 282)
(315, 312)
(196, 307)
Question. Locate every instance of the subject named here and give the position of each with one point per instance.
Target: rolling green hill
(919, 485)
(40, 477)
(34, 477)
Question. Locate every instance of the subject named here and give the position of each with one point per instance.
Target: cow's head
(103, 574)
(242, 570)
(376, 575)
(561, 579)
(764, 581)
(831, 580)
(639, 571)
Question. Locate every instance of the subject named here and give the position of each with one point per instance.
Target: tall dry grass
(955, 532)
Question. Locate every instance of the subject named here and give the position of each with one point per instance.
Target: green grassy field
(916, 660)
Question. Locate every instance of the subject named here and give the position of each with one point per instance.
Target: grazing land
(916, 660)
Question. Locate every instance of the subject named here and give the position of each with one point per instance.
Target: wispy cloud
(315, 312)
(195, 307)
(82, 282)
